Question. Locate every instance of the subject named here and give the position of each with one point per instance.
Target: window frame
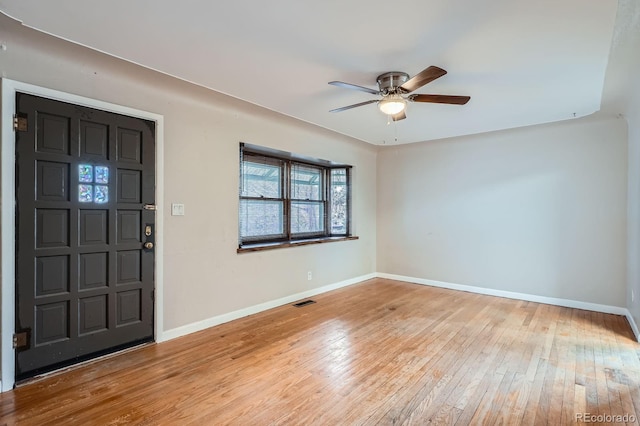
(288, 162)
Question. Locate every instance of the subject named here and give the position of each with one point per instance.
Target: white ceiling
(522, 63)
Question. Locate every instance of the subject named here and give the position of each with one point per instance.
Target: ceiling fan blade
(423, 77)
(440, 99)
(353, 106)
(399, 116)
(354, 87)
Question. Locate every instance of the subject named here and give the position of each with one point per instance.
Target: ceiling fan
(394, 85)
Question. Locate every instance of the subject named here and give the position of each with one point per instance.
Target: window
(288, 198)
(88, 178)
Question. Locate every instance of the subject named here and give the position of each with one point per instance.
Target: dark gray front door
(84, 279)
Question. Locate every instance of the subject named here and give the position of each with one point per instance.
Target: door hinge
(20, 123)
(150, 207)
(21, 340)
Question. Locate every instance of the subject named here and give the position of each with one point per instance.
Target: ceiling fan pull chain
(395, 125)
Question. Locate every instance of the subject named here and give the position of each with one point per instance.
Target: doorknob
(148, 245)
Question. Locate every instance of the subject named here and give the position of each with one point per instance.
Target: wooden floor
(380, 352)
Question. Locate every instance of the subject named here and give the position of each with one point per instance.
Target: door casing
(7, 212)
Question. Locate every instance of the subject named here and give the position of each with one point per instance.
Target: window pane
(260, 218)
(101, 194)
(339, 201)
(85, 193)
(85, 173)
(307, 217)
(102, 174)
(261, 180)
(306, 182)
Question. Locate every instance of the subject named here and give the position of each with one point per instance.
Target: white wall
(538, 210)
(621, 97)
(627, 50)
(633, 119)
(632, 114)
(203, 275)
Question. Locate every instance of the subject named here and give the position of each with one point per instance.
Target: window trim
(288, 160)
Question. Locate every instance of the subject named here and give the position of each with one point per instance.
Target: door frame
(8, 211)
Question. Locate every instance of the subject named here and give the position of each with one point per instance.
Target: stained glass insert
(102, 194)
(85, 173)
(85, 193)
(102, 174)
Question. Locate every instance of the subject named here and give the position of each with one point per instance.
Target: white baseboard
(633, 325)
(240, 313)
(568, 303)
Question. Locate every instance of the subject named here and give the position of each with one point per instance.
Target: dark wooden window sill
(286, 244)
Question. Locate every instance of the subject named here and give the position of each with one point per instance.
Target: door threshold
(80, 364)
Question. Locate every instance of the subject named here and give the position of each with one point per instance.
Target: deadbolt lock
(147, 230)
(148, 245)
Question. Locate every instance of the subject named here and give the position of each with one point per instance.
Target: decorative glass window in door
(93, 184)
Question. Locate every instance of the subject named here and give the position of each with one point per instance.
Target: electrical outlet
(309, 276)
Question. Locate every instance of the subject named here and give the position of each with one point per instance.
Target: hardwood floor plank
(489, 409)
(469, 375)
(579, 400)
(422, 397)
(599, 350)
(471, 400)
(569, 350)
(474, 346)
(411, 349)
(379, 352)
(529, 417)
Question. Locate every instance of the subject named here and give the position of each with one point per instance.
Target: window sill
(287, 244)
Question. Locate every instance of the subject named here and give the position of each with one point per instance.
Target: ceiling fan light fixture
(392, 104)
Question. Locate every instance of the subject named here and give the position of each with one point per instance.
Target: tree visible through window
(285, 197)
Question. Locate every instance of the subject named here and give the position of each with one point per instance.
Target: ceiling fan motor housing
(389, 82)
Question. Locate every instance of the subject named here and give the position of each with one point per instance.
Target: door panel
(84, 281)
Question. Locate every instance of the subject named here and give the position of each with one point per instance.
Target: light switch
(177, 209)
